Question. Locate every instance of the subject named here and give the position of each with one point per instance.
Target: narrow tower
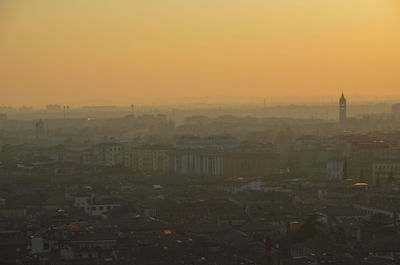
(342, 109)
(39, 130)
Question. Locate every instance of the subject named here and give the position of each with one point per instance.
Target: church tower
(342, 109)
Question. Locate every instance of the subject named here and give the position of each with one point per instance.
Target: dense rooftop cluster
(256, 191)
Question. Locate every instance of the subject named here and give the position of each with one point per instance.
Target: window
(101, 208)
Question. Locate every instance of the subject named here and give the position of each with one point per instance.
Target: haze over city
(208, 132)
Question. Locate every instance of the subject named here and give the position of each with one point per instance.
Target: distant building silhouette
(342, 109)
(53, 108)
(3, 117)
(396, 111)
(39, 130)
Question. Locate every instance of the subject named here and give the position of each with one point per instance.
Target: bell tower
(342, 109)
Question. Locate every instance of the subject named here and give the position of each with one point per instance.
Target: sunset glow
(86, 50)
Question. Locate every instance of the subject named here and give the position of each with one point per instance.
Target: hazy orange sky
(79, 51)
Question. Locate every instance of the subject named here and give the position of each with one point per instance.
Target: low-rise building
(96, 205)
(335, 169)
(385, 169)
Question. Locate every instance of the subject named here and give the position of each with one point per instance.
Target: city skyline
(165, 132)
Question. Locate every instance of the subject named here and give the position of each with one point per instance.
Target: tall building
(39, 129)
(148, 158)
(342, 109)
(104, 154)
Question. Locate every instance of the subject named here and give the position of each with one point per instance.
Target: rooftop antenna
(64, 111)
(132, 108)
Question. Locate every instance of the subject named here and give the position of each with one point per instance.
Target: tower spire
(342, 109)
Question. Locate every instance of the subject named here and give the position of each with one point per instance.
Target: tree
(341, 235)
(310, 228)
(68, 141)
(390, 178)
